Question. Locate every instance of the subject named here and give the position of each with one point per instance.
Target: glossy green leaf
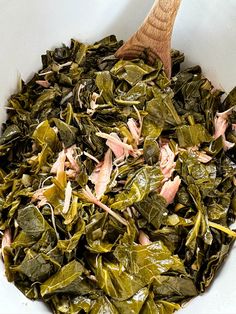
(191, 135)
(68, 279)
(153, 209)
(32, 221)
(139, 185)
(145, 261)
(67, 132)
(36, 267)
(134, 304)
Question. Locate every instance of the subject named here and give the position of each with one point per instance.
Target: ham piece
(167, 163)
(170, 188)
(143, 238)
(103, 175)
(220, 125)
(6, 240)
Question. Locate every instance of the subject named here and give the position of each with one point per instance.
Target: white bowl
(205, 30)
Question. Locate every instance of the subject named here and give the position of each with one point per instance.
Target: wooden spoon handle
(154, 35)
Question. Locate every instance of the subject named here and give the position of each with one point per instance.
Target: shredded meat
(143, 238)
(6, 240)
(170, 188)
(104, 175)
(167, 163)
(220, 125)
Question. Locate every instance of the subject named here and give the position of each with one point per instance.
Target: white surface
(205, 30)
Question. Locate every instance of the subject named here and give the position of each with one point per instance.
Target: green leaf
(103, 305)
(151, 151)
(105, 85)
(153, 209)
(139, 185)
(132, 72)
(114, 280)
(23, 240)
(134, 304)
(191, 135)
(71, 244)
(80, 303)
(37, 267)
(44, 102)
(145, 261)
(174, 288)
(95, 231)
(31, 221)
(67, 132)
(44, 134)
(68, 279)
(11, 133)
(150, 306)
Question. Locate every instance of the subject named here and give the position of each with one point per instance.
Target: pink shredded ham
(93, 105)
(143, 238)
(120, 149)
(60, 172)
(134, 130)
(6, 240)
(94, 175)
(71, 174)
(70, 154)
(39, 197)
(68, 195)
(170, 188)
(43, 83)
(220, 125)
(117, 149)
(59, 163)
(104, 175)
(79, 99)
(91, 198)
(91, 157)
(203, 157)
(225, 114)
(114, 140)
(167, 163)
(227, 145)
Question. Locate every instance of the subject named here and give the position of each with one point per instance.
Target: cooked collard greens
(117, 184)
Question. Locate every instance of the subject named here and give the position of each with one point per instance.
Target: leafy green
(174, 287)
(191, 135)
(103, 305)
(68, 279)
(66, 132)
(32, 221)
(138, 185)
(11, 133)
(134, 304)
(37, 267)
(105, 85)
(145, 261)
(44, 134)
(153, 209)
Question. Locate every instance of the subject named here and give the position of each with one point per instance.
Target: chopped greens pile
(117, 184)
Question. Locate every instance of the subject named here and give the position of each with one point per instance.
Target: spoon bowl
(154, 35)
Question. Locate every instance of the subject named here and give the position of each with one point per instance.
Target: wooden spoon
(154, 35)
